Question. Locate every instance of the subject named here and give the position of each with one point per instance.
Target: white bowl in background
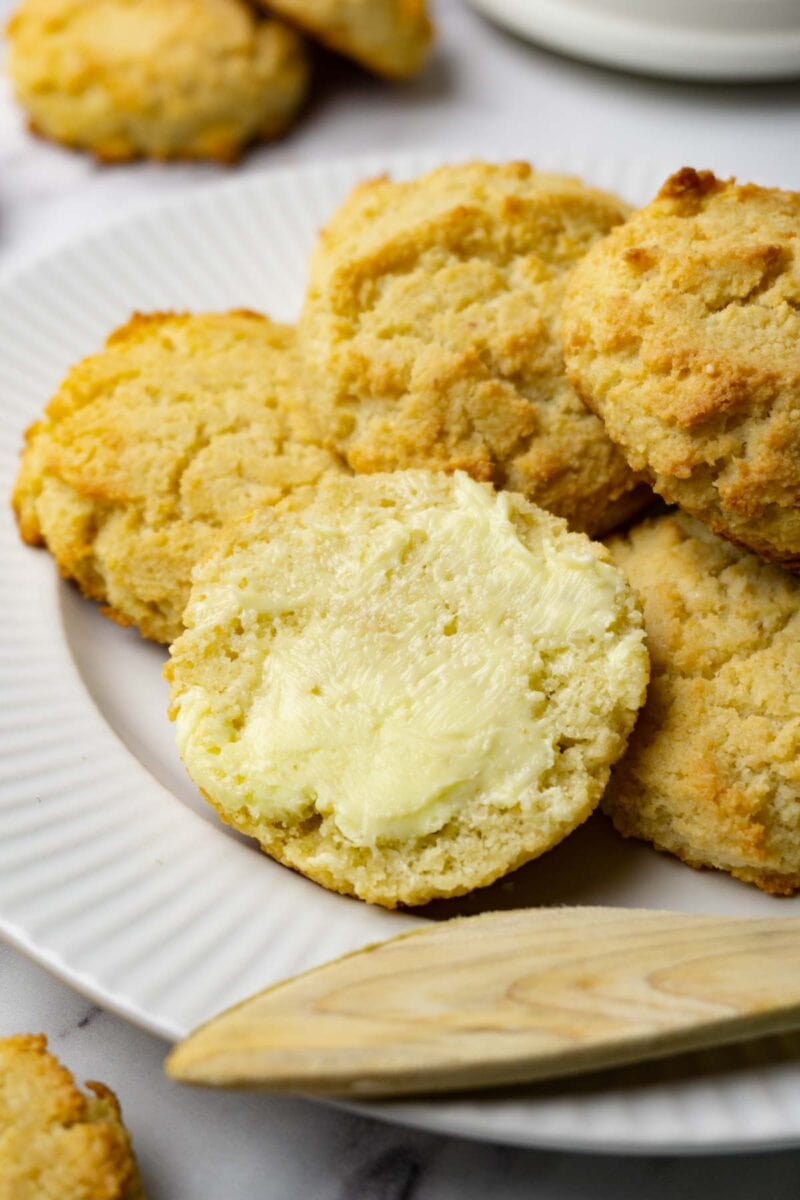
(685, 39)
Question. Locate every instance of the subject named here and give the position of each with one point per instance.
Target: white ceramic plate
(734, 40)
(115, 875)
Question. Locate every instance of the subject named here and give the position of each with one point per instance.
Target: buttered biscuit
(183, 79)
(390, 37)
(180, 423)
(712, 772)
(54, 1140)
(430, 335)
(682, 330)
(405, 685)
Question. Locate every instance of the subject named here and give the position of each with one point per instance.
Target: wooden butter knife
(506, 997)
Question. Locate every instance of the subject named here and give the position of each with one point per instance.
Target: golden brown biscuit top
(707, 602)
(682, 330)
(712, 771)
(508, 209)
(430, 332)
(148, 447)
(188, 417)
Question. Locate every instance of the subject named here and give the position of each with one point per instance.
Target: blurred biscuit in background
(389, 37)
(129, 78)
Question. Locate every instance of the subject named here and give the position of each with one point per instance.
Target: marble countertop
(202, 1145)
(483, 88)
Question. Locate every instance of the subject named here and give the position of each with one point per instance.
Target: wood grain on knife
(503, 998)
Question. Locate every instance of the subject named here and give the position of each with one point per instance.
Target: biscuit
(129, 78)
(148, 447)
(712, 772)
(390, 37)
(405, 685)
(682, 331)
(54, 1140)
(429, 335)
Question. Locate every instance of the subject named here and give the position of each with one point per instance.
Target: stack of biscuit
(192, 79)
(392, 662)
(398, 661)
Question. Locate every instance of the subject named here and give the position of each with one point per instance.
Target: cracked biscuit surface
(712, 770)
(390, 37)
(682, 331)
(55, 1142)
(430, 335)
(184, 79)
(180, 423)
(405, 685)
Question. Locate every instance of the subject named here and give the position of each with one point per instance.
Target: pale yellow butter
(402, 668)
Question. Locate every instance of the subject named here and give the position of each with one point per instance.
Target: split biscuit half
(405, 685)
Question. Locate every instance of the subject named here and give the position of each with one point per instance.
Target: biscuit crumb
(55, 1141)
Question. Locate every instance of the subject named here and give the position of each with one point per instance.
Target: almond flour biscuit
(390, 37)
(55, 1142)
(430, 335)
(405, 685)
(682, 331)
(183, 79)
(712, 772)
(180, 423)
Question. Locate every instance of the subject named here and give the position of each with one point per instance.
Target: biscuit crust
(389, 37)
(245, 659)
(712, 770)
(129, 78)
(682, 331)
(180, 423)
(54, 1140)
(430, 335)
